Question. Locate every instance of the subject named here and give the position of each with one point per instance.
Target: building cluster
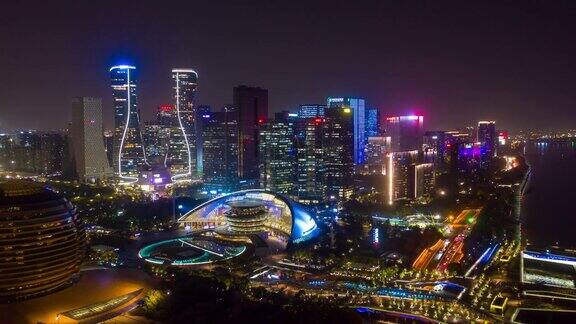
(315, 154)
(33, 152)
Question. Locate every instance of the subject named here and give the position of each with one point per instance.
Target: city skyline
(393, 71)
(275, 162)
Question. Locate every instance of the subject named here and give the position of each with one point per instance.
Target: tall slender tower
(252, 105)
(181, 156)
(128, 154)
(88, 139)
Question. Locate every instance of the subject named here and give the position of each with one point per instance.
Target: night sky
(511, 61)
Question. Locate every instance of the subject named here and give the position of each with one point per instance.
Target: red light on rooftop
(166, 108)
(261, 120)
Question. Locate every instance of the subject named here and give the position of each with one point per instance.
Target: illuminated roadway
(423, 260)
(449, 250)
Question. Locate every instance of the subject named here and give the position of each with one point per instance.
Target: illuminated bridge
(248, 211)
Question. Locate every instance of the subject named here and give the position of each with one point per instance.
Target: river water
(549, 202)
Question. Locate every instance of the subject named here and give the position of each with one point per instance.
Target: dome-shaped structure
(242, 211)
(42, 240)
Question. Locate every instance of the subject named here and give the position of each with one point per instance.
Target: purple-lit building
(488, 138)
(470, 157)
(405, 132)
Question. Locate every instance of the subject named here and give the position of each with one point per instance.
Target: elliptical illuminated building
(128, 151)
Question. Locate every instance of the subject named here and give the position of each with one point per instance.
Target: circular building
(42, 240)
(251, 212)
(246, 216)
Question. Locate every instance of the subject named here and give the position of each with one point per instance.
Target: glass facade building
(128, 152)
(181, 155)
(252, 105)
(277, 155)
(406, 132)
(357, 108)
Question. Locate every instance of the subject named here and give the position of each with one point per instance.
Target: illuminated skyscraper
(181, 155)
(357, 108)
(423, 179)
(372, 122)
(309, 159)
(487, 137)
(398, 175)
(405, 131)
(220, 150)
(252, 105)
(376, 150)
(129, 154)
(277, 154)
(87, 136)
(338, 153)
(201, 112)
(311, 111)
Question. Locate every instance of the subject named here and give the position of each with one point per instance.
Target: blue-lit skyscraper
(357, 107)
(128, 154)
(372, 122)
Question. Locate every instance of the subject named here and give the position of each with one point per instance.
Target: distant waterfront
(549, 205)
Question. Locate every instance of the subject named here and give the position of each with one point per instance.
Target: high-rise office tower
(128, 152)
(338, 153)
(87, 138)
(277, 154)
(357, 108)
(220, 150)
(434, 150)
(376, 150)
(487, 137)
(252, 106)
(181, 156)
(372, 122)
(156, 138)
(173, 143)
(423, 179)
(311, 111)
(202, 111)
(398, 175)
(405, 131)
(309, 164)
